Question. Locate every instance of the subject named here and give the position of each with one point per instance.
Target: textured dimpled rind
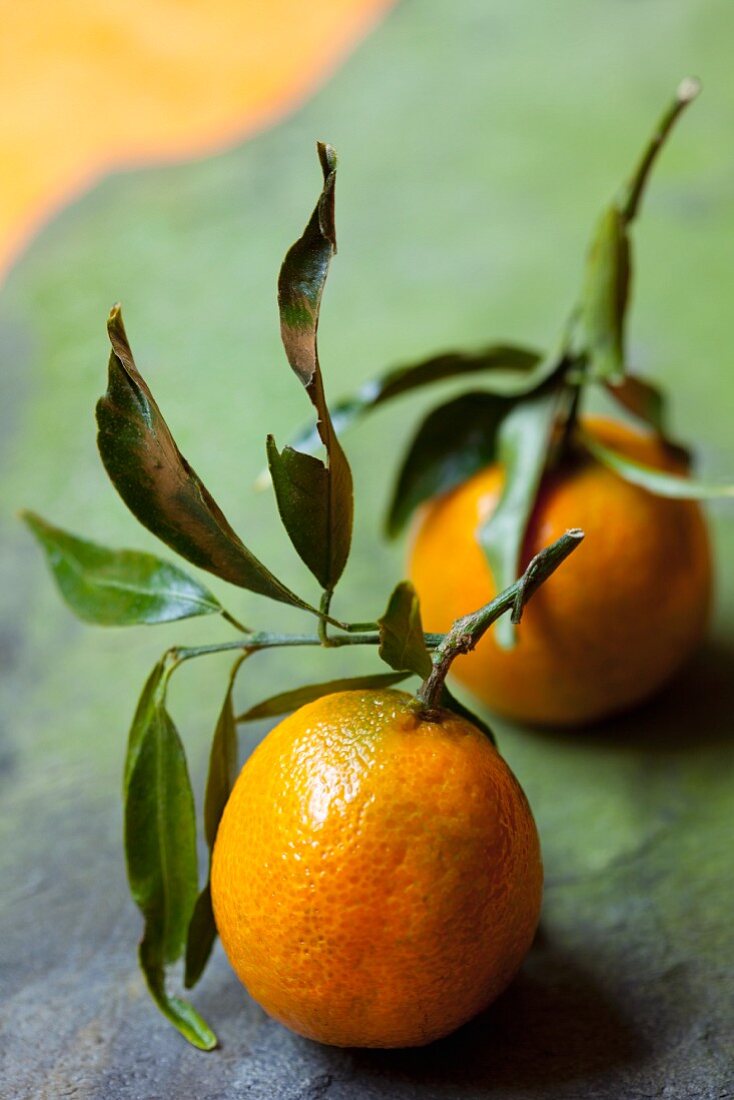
(376, 878)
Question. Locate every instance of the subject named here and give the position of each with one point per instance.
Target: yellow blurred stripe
(87, 85)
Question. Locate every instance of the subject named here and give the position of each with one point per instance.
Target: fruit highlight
(376, 877)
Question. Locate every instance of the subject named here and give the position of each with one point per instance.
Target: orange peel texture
(376, 877)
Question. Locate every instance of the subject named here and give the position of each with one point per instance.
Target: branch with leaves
(524, 406)
(127, 587)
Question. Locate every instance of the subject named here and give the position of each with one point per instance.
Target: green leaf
(604, 298)
(150, 698)
(160, 847)
(182, 1015)
(118, 587)
(160, 833)
(201, 936)
(523, 445)
(513, 370)
(301, 484)
(322, 539)
(450, 702)
(642, 399)
(453, 442)
(402, 645)
(223, 768)
(158, 485)
(605, 293)
(289, 701)
(660, 482)
(220, 781)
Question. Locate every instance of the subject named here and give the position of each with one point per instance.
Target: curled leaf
(402, 645)
(660, 482)
(323, 538)
(288, 701)
(303, 277)
(157, 483)
(118, 587)
(453, 442)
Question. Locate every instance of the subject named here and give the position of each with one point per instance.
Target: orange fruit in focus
(376, 877)
(610, 627)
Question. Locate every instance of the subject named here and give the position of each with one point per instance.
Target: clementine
(608, 629)
(376, 877)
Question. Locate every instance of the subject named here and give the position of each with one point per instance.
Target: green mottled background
(477, 142)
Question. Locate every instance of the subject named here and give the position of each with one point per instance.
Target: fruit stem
(468, 630)
(631, 195)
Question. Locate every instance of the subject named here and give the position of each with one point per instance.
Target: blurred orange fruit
(608, 629)
(89, 85)
(376, 877)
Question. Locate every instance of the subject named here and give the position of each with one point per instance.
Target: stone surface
(477, 143)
